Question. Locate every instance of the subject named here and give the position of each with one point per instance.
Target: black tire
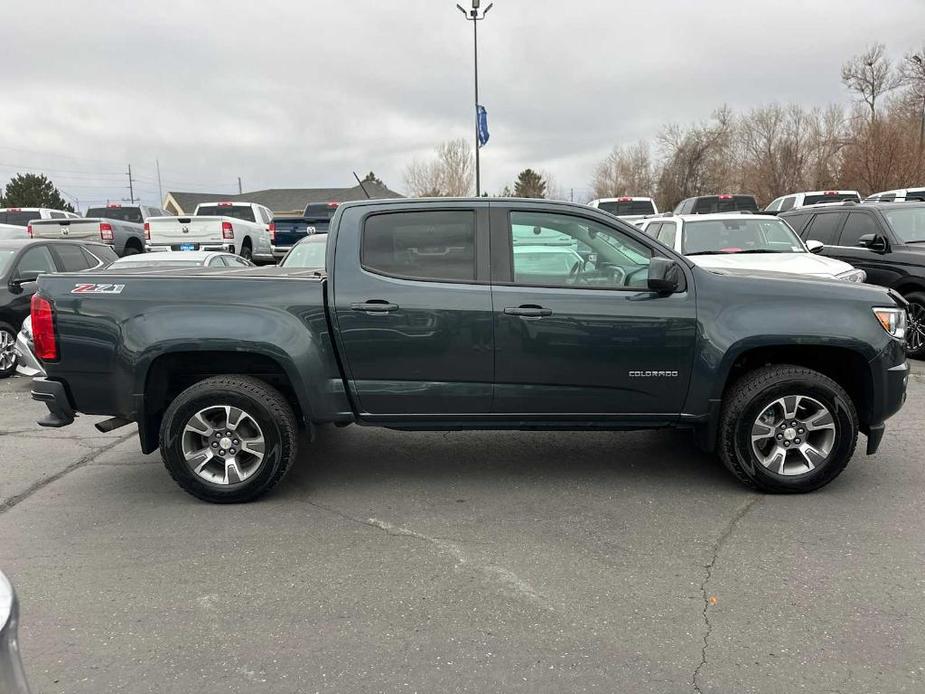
(749, 397)
(264, 404)
(246, 252)
(8, 337)
(130, 250)
(916, 323)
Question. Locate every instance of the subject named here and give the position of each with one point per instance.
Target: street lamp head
(475, 4)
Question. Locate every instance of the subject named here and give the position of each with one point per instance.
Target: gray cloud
(298, 94)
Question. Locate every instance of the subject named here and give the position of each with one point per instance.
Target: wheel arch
(168, 374)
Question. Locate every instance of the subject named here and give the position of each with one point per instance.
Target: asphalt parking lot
(478, 562)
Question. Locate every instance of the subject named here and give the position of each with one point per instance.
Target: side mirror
(815, 246)
(22, 279)
(874, 242)
(665, 277)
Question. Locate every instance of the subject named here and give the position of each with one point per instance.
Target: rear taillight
(272, 230)
(43, 329)
(725, 197)
(29, 230)
(105, 231)
(147, 232)
(227, 230)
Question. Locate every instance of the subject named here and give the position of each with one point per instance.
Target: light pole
(918, 60)
(474, 17)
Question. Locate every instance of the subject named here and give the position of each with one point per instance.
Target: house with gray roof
(282, 201)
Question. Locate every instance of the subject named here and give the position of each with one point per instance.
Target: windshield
(308, 253)
(908, 223)
(19, 219)
(830, 197)
(244, 213)
(627, 207)
(5, 258)
(156, 263)
(531, 261)
(768, 235)
(123, 214)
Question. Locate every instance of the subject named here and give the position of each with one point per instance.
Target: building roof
(280, 199)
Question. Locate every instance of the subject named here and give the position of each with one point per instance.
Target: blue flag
(483, 125)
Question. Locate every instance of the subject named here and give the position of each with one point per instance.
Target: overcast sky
(298, 94)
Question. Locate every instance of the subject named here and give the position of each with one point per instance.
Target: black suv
(710, 204)
(886, 240)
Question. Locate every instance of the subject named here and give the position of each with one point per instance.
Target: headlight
(893, 321)
(853, 276)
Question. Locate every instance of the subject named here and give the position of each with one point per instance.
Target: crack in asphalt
(495, 573)
(41, 484)
(708, 569)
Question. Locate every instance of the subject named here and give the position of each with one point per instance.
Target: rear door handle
(373, 306)
(528, 311)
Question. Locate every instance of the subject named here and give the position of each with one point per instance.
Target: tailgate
(175, 230)
(289, 232)
(66, 229)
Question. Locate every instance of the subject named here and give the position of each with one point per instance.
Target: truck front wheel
(228, 439)
(787, 429)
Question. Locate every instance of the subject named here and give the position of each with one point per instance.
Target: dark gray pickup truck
(473, 314)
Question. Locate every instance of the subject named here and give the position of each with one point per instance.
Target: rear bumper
(52, 393)
(280, 251)
(167, 248)
(890, 375)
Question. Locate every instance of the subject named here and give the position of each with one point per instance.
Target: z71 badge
(97, 289)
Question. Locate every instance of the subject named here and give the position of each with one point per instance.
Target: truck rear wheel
(228, 439)
(787, 429)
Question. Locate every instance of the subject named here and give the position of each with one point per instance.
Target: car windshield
(243, 212)
(123, 214)
(545, 261)
(173, 262)
(627, 207)
(19, 219)
(308, 253)
(6, 256)
(908, 223)
(758, 235)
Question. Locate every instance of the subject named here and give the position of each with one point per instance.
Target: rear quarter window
(797, 221)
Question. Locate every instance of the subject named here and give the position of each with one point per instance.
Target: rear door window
(858, 224)
(437, 246)
(653, 229)
(825, 227)
(788, 203)
(70, 257)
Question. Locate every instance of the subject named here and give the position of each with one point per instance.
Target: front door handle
(373, 306)
(528, 311)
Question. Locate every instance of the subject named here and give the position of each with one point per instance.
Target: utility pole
(239, 186)
(131, 188)
(921, 68)
(473, 16)
(160, 189)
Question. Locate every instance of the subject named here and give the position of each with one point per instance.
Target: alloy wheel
(793, 435)
(7, 353)
(223, 444)
(915, 329)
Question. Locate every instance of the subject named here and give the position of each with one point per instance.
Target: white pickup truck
(14, 221)
(121, 226)
(243, 228)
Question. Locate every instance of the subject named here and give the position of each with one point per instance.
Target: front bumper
(53, 394)
(26, 363)
(890, 375)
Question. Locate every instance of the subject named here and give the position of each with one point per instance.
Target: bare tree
(912, 72)
(870, 75)
(625, 171)
(449, 174)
